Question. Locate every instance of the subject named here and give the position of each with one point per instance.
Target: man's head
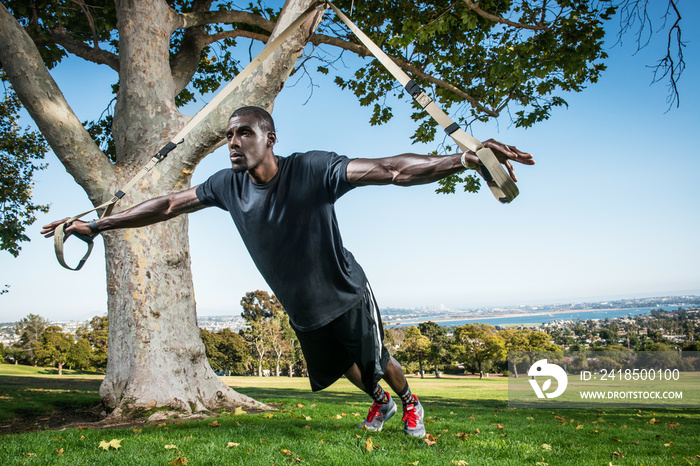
(251, 136)
(260, 114)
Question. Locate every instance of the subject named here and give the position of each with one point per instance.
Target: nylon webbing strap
(501, 185)
(270, 47)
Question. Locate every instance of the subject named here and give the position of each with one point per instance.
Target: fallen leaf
(170, 447)
(299, 405)
(59, 452)
(546, 447)
(214, 424)
(429, 439)
(415, 463)
(338, 416)
(179, 461)
(286, 452)
(238, 411)
(616, 454)
(669, 444)
(232, 444)
(580, 426)
(269, 415)
(114, 443)
(368, 444)
(460, 463)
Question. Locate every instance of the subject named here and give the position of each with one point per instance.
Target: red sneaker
(378, 414)
(413, 418)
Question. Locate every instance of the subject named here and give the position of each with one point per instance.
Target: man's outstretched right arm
(147, 213)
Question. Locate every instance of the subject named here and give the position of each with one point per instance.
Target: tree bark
(156, 357)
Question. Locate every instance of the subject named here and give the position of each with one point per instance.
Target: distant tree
(227, 351)
(30, 329)
(20, 152)
(279, 332)
(415, 348)
(2, 353)
(211, 347)
(96, 332)
(80, 355)
(439, 344)
(53, 347)
(393, 338)
(480, 343)
(258, 311)
(517, 344)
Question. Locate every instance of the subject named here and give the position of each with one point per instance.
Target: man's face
(248, 144)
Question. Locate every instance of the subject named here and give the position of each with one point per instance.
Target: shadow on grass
(37, 403)
(354, 396)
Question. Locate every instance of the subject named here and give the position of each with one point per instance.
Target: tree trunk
(60, 368)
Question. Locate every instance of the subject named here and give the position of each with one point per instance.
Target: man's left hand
(505, 154)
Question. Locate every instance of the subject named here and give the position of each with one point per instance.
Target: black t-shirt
(291, 232)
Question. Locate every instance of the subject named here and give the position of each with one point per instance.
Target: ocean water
(601, 314)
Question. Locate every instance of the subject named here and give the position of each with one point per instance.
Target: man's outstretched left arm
(414, 169)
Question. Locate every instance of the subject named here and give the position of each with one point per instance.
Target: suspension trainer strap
(501, 185)
(270, 47)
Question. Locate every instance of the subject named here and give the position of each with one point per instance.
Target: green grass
(467, 417)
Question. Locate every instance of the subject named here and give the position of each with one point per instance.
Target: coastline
(503, 316)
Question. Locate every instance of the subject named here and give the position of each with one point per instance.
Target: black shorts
(353, 338)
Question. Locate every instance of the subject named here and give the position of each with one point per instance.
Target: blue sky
(610, 210)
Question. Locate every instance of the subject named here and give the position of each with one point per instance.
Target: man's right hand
(78, 226)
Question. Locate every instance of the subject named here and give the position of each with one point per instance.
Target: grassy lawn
(467, 419)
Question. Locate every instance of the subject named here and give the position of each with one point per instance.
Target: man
(283, 208)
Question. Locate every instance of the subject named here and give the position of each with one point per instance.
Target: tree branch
(202, 18)
(497, 19)
(186, 60)
(45, 103)
(77, 48)
(362, 51)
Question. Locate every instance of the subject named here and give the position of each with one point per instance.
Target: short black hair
(262, 116)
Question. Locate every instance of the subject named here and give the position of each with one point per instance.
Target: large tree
(30, 330)
(53, 348)
(479, 343)
(261, 313)
(512, 56)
